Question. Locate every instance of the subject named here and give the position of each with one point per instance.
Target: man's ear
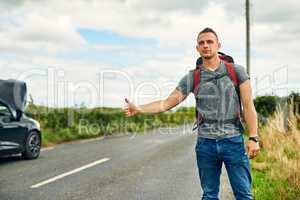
(219, 45)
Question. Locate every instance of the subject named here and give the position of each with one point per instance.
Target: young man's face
(208, 45)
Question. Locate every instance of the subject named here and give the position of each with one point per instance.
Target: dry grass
(280, 142)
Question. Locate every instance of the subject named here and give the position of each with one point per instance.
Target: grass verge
(276, 171)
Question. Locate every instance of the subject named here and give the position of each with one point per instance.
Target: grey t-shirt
(216, 100)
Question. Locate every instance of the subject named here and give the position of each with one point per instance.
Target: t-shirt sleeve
(186, 84)
(241, 74)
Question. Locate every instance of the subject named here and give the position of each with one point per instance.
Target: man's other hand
(252, 148)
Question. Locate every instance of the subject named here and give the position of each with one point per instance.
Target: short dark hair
(208, 30)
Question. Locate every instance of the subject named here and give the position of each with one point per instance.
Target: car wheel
(32, 146)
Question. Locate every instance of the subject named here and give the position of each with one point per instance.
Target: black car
(18, 132)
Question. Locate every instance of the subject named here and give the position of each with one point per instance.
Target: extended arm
(157, 106)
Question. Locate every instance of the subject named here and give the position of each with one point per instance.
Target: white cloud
(38, 34)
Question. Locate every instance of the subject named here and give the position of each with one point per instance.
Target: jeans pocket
(236, 139)
(200, 142)
(236, 144)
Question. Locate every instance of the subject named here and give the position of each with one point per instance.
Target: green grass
(266, 189)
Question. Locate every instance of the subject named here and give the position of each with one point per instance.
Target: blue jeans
(211, 153)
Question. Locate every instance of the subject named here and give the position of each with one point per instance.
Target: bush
(266, 105)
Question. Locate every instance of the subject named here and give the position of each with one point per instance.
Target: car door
(12, 133)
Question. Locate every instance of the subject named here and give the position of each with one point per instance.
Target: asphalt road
(158, 165)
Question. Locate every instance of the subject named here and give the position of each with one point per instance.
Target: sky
(96, 53)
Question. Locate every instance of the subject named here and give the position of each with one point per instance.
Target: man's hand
(252, 148)
(130, 109)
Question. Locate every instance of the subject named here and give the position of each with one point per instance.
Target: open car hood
(13, 93)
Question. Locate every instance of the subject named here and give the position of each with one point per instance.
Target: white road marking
(69, 173)
(47, 149)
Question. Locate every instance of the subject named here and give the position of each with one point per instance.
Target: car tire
(32, 146)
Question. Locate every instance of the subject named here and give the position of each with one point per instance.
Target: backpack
(229, 62)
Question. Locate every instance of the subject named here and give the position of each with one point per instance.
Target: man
(219, 140)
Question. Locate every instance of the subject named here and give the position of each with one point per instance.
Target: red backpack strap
(197, 79)
(196, 86)
(235, 81)
(232, 74)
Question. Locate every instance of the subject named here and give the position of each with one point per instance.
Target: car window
(4, 110)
